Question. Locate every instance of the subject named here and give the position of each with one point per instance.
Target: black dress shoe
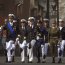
(53, 61)
(43, 61)
(23, 61)
(30, 62)
(9, 62)
(38, 61)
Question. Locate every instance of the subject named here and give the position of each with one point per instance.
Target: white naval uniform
(8, 48)
(60, 46)
(22, 46)
(30, 51)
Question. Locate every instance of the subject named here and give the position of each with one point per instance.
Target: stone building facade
(62, 9)
(26, 8)
(21, 8)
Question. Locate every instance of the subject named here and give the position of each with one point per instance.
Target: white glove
(37, 37)
(17, 39)
(24, 37)
(42, 46)
(49, 44)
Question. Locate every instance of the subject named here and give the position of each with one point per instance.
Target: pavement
(18, 62)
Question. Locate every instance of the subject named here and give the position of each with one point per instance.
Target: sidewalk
(17, 60)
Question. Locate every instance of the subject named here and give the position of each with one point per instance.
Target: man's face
(30, 23)
(53, 25)
(22, 24)
(45, 24)
(10, 19)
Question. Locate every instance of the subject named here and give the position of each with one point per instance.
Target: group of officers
(32, 33)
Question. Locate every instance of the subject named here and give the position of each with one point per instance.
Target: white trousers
(30, 51)
(22, 46)
(13, 53)
(30, 54)
(9, 55)
(44, 49)
(61, 49)
(23, 56)
(9, 47)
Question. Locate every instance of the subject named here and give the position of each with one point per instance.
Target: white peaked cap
(23, 20)
(11, 15)
(45, 19)
(30, 18)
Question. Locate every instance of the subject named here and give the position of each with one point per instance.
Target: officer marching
(46, 36)
(62, 40)
(53, 39)
(11, 35)
(40, 32)
(31, 38)
(22, 39)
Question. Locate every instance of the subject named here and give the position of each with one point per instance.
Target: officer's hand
(42, 46)
(17, 39)
(19, 36)
(49, 44)
(24, 37)
(37, 38)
